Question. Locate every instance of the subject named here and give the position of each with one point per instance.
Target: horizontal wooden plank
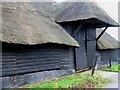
(37, 57)
(39, 52)
(10, 69)
(36, 60)
(9, 66)
(8, 57)
(9, 73)
(36, 63)
(8, 63)
(8, 53)
(39, 69)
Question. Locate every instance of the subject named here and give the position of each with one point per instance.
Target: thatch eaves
(23, 24)
(88, 11)
(106, 41)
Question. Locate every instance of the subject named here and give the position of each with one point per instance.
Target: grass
(72, 81)
(114, 68)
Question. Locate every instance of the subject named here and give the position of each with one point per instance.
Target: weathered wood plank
(11, 69)
(31, 69)
(38, 69)
(9, 66)
(91, 53)
(8, 60)
(91, 34)
(39, 57)
(9, 73)
(80, 36)
(36, 63)
(8, 63)
(81, 58)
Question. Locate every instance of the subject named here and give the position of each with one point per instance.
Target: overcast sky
(111, 7)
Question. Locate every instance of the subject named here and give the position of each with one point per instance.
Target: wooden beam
(101, 34)
(93, 69)
(110, 64)
(77, 30)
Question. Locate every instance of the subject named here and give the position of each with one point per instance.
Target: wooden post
(93, 69)
(110, 65)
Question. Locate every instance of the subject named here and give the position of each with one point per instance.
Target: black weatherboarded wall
(107, 55)
(86, 37)
(27, 64)
(20, 59)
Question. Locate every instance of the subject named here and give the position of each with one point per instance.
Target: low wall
(20, 80)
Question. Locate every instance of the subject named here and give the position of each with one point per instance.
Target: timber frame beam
(101, 34)
(77, 30)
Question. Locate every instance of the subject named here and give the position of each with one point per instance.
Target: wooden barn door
(81, 55)
(86, 53)
(91, 45)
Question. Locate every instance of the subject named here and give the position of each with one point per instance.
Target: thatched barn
(80, 20)
(34, 47)
(37, 44)
(107, 49)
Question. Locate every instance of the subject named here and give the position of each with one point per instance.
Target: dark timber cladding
(119, 55)
(106, 55)
(85, 54)
(85, 34)
(17, 59)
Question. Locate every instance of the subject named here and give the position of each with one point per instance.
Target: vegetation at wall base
(114, 68)
(72, 81)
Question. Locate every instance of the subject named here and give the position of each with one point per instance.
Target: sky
(111, 7)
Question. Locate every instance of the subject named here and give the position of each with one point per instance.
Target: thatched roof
(106, 41)
(32, 23)
(89, 12)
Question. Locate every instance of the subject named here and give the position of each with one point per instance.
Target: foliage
(72, 81)
(114, 68)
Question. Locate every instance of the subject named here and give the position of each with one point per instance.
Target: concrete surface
(113, 76)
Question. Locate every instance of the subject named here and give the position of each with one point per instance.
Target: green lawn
(114, 68)
(72, 81)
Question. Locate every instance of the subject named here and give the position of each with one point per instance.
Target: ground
(100, 79)
(113, 76)
(77, 80)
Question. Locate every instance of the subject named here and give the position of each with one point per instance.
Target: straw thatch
(106, 41)
(30, 23)
(90, 12)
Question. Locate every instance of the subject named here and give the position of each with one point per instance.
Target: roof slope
(106, 41)
(25, 23)
(87, 11)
